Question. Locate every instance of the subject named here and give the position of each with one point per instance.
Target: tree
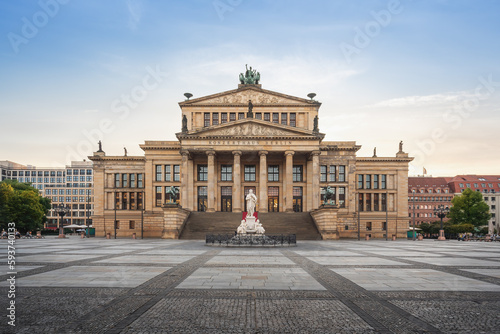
(22, 204)
(469, 208)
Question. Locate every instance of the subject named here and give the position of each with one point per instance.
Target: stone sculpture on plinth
(250, 224)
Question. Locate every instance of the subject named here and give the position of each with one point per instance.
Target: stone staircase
(201, 223)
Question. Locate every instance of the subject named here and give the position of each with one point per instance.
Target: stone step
(201, 223)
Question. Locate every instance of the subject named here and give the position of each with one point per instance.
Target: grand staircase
(201, 223)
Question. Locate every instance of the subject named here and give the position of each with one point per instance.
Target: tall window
(139, 200)
(206, 119)
(267, 116)
(177, 173)
(223, 118)
(375, 181)
(333, 171)
(124, 200)
(322, 172)
(140, 180)
(132, 201)
(232, 116)
(293, 119)
(226, 173)
(384, 202)
(297, 173)
(117, 180)
(167, 173)
(368, 183)
(215, 118)
(383, 182)
(361, 202)
(360, 181)
(284, 118)
(158, 196)
(249, 173)
(202, 172)
(368, 201)
(342, 197)
(273, 173)
(375, 202)
(341, 173)
(241, 115)
(132, 180)
(159, 174)
(276, 117)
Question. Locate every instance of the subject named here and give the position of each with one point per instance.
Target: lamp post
(62, 210)
(142, 215)
(413, 191)
(441, 211)
(115, 214)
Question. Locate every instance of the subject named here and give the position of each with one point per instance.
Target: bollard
(367, 237)
(393, 237)
(133, 236)
(108, 235)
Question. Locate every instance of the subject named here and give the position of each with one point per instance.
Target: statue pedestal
(251, 225)
(441, 235)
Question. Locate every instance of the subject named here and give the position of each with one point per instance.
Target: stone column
(288, 181)
(236, 182)
(262, 200)
(212, 180)
(184, 179)
(315, 179)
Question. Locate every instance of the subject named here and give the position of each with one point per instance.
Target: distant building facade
(250, 139)
(71, 186)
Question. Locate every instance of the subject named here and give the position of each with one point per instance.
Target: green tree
(22, 204)
(469, 208)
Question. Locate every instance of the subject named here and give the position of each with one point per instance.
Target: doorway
(226, 199)
(273, 204)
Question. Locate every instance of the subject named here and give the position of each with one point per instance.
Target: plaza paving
(171, 286)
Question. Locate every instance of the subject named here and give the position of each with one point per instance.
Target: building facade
(250, 139)
(71, 186)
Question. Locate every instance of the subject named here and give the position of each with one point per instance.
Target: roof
(428, 182)
(476, 178)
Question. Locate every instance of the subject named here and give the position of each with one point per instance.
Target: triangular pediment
(242, 95)
(251, 128)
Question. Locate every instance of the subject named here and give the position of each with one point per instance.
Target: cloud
(442, 99)
(135, 9)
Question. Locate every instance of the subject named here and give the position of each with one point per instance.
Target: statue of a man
(100, 146)
(251, 203)
(401, 146)
(125, 151)
(184, 123)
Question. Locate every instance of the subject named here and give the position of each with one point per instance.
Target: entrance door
(297, 199)
(202, 199)
(226, 199)
(273, 204)
(246, 191)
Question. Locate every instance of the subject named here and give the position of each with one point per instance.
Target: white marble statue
(242, 229)
(260, 228)
(251, 203)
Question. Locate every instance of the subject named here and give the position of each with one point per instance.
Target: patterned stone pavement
(171, 286)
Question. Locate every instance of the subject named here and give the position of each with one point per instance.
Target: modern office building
(247, 139)
(71, 185)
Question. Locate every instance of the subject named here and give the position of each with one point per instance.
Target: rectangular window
(284, 118)
(167, 173)
(241, 115)
(322, 173)
(273, 173)
(360, 202)
(232, 116)
(139, 200)
(124, 180)
(159, 175)
(341, 173)
(360, 181)
(267, 117)
(368, 183)
(132, 201)
(117, 200)
(131, 225)
(223, 118)
(202, 172)
(297, 173)
(375, 202)
(342, 197)
(368, 201)
(158, 196)
(276, 117)
(249, 173)
(177, 173)
(375, 181)
(384, 202)
(293, 119)
(132, 180)
(383, 183)
(333, 172)
(124, 200)
(117, 180)
(368, 226)
(206, 119)
(140, 180)
(258, 115)
(215, 118)
(226, 172)
(117, 224)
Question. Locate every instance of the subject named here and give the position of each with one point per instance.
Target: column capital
(236, 153)
(263, 153)
(210, 153)
(314, 154)
(289, 153)
(185, 152)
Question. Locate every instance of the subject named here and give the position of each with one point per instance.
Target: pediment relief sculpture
(249, 129)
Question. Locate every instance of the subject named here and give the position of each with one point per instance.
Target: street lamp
(62, 210)
(441, 211)
(413, 192)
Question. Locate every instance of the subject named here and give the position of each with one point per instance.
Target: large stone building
(246, 139)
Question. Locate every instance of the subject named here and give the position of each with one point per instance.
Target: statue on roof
(100, 146)
(250, 108)
(251, 77)
(401, 146)
(184, 123)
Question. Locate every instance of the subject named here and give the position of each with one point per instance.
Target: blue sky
(425, 72)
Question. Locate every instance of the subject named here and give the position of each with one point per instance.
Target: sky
(423, 72)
